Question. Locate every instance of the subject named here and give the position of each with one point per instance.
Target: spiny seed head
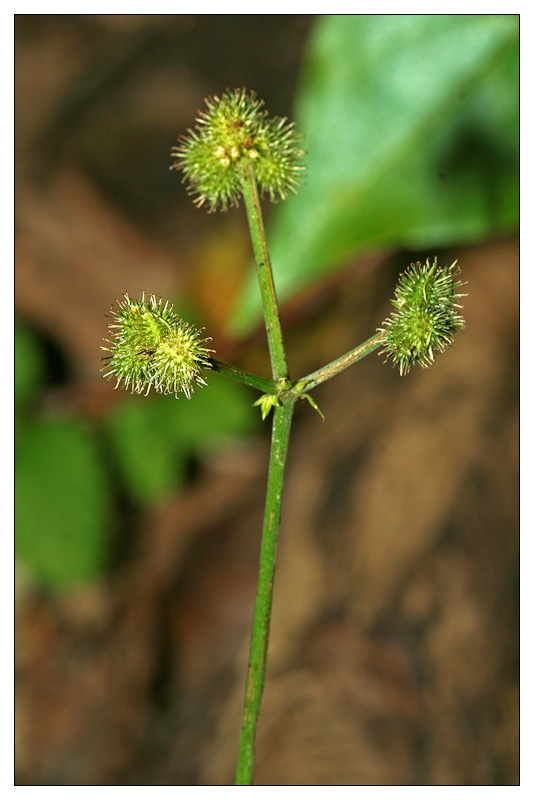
(233, 133)
(426, 316)
(152, 347)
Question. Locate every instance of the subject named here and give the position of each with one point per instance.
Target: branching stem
(327, 372)
(242, 376)
(283, 413)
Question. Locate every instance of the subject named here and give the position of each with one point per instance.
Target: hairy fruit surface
(426, 315)
(231, 136)
(152, 347)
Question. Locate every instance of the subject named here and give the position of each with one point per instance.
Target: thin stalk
(262, 611)
(325, 373)
(242, 376)
(265, 276)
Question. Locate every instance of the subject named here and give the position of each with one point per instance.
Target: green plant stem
(242, 376)
(282, 417)
(325, 373)
(262, 612)
(265, 276)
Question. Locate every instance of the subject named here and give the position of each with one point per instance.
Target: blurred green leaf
(29, 364)
(62, 503)
(153, 437)
(150, 461)
(221, 412)
(411, 128)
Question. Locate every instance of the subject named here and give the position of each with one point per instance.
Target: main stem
(264, 598)
(282, 416)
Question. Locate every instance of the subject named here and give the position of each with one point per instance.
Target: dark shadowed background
(394, 644)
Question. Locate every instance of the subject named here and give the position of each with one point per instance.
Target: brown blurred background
(394, 652)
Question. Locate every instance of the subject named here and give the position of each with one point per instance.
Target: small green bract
(152, 347)
(426, 316)
(232, 135)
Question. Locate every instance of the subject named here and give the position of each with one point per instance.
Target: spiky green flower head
(426, 316)
(232, 134)
(152, 347)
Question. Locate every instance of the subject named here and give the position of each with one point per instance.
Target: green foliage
(29, 366)
(62, 502)
(64, 512)
(63, 508)
(411, 133)
(152, 439)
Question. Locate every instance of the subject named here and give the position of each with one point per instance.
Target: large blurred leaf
(411, 125)
(62, 502)
(153, 437)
